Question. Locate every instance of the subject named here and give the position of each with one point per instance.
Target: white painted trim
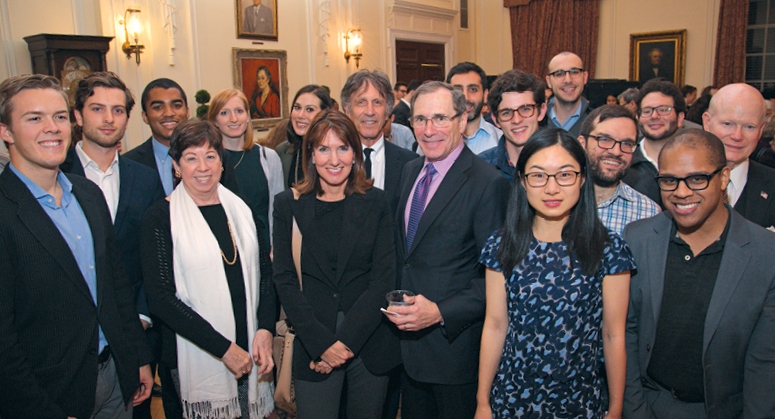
(612, 49)
(79, 25)
(195, 47)
(404, 35)
(711, 35)
(418, 9)
(7, 40)
(312, 40)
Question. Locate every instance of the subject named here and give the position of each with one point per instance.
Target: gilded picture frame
(263, 76)
(256, 19)
(658, 54)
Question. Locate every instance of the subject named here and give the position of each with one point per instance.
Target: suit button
(648, 347)
(407, 266)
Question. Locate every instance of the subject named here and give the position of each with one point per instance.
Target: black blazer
(757, 201)
(395, 159)
(365, 274)
(48, 320)
(144, 154)
(442, 265)
(139, 188)
(402, 113)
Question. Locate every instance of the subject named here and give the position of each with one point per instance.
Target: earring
(221, 169)
(313, 161)
(177, 173)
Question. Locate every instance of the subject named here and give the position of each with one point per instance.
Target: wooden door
(419, 60)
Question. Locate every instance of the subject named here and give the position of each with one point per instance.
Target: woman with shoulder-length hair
(258, 169)
(265, 101)
(207, 280)
(557, 286)
(308, 102)
(348, 264)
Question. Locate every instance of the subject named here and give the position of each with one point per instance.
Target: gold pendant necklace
(240, 159)
(233, 243)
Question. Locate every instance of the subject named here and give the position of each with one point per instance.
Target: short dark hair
(468, 67)
(12, 86)
(458, 98)
(667, 88)
(376, 78)
(195, 133)
(698, 139)
(164, 84)
(343, 127)
(515, 81)
(688, 89)
(398, 85)
(604, 112)
(584, 233)
(106, 79)
(413, 85)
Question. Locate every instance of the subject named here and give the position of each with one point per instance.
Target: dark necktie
(367, 162)
(418, 204)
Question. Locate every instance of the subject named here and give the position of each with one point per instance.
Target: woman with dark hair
(566, 290)
(207, 279)
(309, 100)
(265, 102)
(348, 264)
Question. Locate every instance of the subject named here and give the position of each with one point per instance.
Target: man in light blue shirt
(567, 77)
(470, 79)
(609, 136)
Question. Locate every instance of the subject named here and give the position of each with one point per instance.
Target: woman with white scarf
(205, 275)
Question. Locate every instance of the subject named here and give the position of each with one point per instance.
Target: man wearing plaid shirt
(609, 137)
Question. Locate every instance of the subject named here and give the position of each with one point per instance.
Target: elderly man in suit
(451, 201)
(737, 116)
(102, 108)
(71, 344)
(367, 99)
(258, 19)
(702, 304)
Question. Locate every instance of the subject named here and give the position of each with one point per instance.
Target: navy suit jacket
(144, 154)
(402, 113)
(48, 320)
(738, 346)
(757, 201)
(139, 188)
(395, 159)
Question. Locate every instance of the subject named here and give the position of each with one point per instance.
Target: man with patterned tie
(258, 19)
(450, 202)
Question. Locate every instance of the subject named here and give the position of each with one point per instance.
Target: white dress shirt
(738, 177)
(108, 181)
(377, 162)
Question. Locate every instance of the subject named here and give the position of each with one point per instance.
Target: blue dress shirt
(164, 165)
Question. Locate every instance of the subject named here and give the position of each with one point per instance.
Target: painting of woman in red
(265, 101)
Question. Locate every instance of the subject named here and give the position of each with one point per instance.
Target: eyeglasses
(607, 143)
(696, 182)
(524, 111)
(661, 110)
(564, 178)
(439, 121)
(574, 73)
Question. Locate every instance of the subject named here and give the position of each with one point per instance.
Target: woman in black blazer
(347, 264)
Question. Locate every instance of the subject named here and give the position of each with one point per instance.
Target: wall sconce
(352, 45)
(132, 29)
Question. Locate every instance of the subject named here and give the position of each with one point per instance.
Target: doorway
(419, 60)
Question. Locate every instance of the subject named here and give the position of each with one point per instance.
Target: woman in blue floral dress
(565, 295)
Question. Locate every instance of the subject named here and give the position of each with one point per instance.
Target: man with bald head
(566, 77)
(737, 116)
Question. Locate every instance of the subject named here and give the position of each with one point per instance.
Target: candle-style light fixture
(133, 27)
(352, 45)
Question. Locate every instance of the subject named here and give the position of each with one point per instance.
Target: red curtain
(730, 45)
(540, 29)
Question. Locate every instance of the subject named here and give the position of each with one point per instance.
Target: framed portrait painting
(263, 76)
(658, 54)
(256, 19)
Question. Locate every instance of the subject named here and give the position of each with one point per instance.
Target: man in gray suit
(702, 303)
(258, 19)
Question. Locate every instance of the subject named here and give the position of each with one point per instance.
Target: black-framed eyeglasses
(574, 73)
(695, 182)
(607, 143)
(661, 110)
(563, 178)
(439, 121)
(507, 114)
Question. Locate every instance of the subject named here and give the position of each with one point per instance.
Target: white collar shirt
(377, 162)
(108, 180)
(738, 177)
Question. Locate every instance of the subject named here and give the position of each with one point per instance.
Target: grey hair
(629, 95)
(376, 78)
(458, 98)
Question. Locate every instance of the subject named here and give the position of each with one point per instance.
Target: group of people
(562, 261)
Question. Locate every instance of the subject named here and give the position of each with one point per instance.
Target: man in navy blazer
(702, 302)
(71, 344)
(439, 242)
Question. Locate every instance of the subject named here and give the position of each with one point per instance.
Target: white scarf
(207, 388)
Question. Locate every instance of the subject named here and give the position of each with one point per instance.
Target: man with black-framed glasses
(609, 136)
(566, 76)
(518, 106)
(701, 320)
(661, 110)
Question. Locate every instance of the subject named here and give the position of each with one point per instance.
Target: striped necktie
(418, 203)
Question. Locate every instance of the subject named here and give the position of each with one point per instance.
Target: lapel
(91, 204)
(733, 262)
(391, 168)
(413, 169)
(304, 211)
(656, 254)
(355, 210)
(72, 164)
(449, 187)
(125, 192)
(35, 219)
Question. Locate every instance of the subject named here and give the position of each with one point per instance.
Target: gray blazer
(738, 353)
